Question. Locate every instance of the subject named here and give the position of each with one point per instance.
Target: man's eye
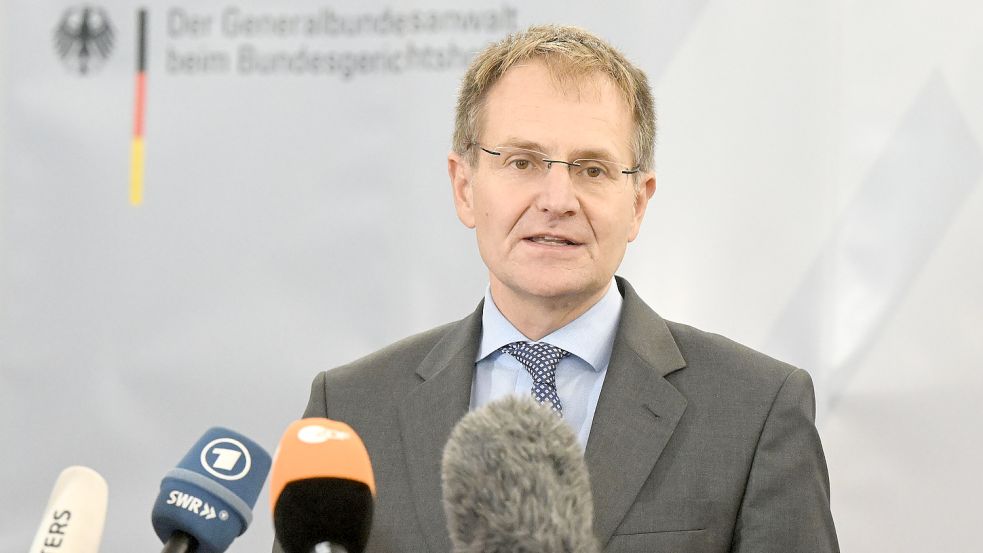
(521, 164)
(594, 171)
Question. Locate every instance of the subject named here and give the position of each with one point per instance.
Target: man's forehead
(565, 80)
(530, 106)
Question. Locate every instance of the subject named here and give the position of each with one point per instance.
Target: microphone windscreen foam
(211, 493)
(75, 515)
(321, 487)
(515, 481)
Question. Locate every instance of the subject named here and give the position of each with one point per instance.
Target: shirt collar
(589, 336)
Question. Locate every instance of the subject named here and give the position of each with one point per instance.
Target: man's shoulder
(711, 355)
(398, 358)
(705, 355)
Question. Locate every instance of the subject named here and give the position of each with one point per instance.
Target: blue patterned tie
(540, 359)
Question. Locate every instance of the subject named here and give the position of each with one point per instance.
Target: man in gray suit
(693, 442)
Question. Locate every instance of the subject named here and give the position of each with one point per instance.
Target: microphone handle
(180, 542)
(328, 547)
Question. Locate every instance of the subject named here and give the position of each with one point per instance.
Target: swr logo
(193, 504)
(226, 458)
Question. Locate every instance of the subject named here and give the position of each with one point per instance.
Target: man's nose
(557, 194)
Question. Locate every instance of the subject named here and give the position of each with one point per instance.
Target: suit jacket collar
(429, 413)
(636, 414)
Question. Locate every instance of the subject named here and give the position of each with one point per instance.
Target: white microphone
(75, 515)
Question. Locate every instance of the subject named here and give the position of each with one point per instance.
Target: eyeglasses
(523, 165)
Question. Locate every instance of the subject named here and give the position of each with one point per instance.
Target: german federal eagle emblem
(84, 38)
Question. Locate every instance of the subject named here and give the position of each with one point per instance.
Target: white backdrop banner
(275, 202)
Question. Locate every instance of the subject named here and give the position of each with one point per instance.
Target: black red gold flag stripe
(136, 147)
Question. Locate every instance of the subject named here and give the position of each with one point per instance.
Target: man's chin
(560, 287)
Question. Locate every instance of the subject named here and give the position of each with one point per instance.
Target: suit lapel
(429, 413)
(636, 414)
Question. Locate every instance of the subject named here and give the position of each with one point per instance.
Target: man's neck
(536, 317)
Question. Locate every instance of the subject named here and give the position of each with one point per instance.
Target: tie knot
(539, 358)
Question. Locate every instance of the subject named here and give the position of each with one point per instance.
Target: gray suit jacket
(698, 443)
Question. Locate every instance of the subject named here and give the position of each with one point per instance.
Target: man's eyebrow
(594, 153)
(591, 152)
(514, 142)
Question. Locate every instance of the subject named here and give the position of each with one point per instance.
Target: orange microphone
(321, 488)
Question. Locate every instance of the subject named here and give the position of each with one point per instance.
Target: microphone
(515, 481)
(321, 488)
(207, 501)
(75, 515)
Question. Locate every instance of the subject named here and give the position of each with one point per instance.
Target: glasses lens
(595, 172)
(519, 163)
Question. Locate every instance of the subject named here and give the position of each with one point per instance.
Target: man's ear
(642, 196)
(459, 171)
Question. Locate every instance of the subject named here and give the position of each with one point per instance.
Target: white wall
(820, 198)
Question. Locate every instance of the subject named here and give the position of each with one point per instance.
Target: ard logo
(226, 459)
(84, 38)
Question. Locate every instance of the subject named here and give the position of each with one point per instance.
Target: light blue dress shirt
(579, 376)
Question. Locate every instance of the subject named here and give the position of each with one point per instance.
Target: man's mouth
(552, 240)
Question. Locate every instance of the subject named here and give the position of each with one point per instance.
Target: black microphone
(322, 489)
(515, 481)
